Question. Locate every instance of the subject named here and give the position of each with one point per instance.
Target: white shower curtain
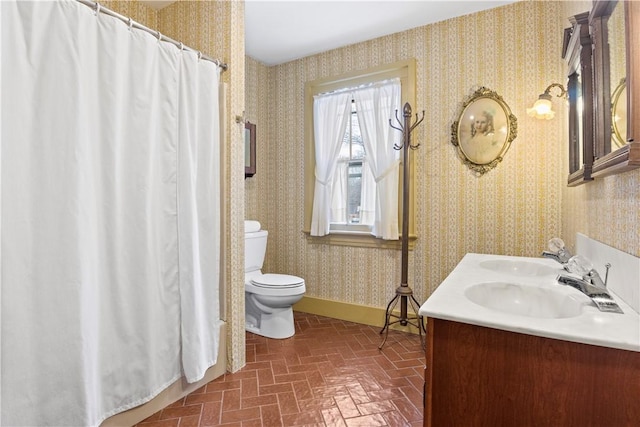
(109, 215)
(199, 214)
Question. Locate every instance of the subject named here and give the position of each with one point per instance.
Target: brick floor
(330, 373)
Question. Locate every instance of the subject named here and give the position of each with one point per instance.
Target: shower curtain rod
(99, 8)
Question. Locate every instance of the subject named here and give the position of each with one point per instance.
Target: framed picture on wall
(249, 149)
(484, 130)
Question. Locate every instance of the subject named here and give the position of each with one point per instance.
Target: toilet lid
(277, 281)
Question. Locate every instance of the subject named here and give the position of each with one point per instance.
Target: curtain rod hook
(97, 10)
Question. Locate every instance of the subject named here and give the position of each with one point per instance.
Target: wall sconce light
(542, 107)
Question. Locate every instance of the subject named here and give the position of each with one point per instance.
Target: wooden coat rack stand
(404, 294)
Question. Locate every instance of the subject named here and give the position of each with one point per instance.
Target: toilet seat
(277, 281)
(275, 284)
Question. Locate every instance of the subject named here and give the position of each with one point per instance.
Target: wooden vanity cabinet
(479, 376)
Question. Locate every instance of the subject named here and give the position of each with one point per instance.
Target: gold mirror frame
(619, 114)
(484, 130)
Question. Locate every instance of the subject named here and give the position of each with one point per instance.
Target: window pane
(354, 187)
(345, 150)
(357, 146)
(347, 191)
(355, 169)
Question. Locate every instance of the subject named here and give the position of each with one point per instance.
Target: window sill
(357, 239)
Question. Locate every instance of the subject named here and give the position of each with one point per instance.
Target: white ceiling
(281, 31)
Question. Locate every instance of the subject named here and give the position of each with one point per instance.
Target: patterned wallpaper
(257, 111)
(138, 11)
(217, 29)
(607, 210)
(514, 209)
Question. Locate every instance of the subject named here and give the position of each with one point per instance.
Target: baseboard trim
(366, 315)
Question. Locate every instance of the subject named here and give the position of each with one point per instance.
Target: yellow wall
(514, 209)
(607, 210)
(257, 111)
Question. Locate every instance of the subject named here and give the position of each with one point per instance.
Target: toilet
(269, 298)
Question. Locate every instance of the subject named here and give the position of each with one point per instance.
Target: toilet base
(278, 325)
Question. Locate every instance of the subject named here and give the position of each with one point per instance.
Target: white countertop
(591, 326)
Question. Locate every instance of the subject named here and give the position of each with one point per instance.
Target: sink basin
(526, 300)
(518, 268)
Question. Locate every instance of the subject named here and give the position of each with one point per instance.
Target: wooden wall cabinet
(577, 51)
(478, 376)
(596, 146)
(610, 159)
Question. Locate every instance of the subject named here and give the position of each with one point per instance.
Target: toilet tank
(255, 248)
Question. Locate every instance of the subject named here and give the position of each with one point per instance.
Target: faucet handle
(579, 265)
(556, 245)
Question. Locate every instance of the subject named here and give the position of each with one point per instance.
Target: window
(361, 210)
(346, 203)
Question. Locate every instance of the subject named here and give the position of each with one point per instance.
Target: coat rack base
(404, 295)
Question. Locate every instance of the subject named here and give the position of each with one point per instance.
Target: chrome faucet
(592, 286)
(560, 258)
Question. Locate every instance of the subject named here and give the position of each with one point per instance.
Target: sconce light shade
(542, 107)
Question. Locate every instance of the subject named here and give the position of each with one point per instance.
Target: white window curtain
(109, 215)
(339, 192)
(330, 117)
(375, 106)
(368, 197)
